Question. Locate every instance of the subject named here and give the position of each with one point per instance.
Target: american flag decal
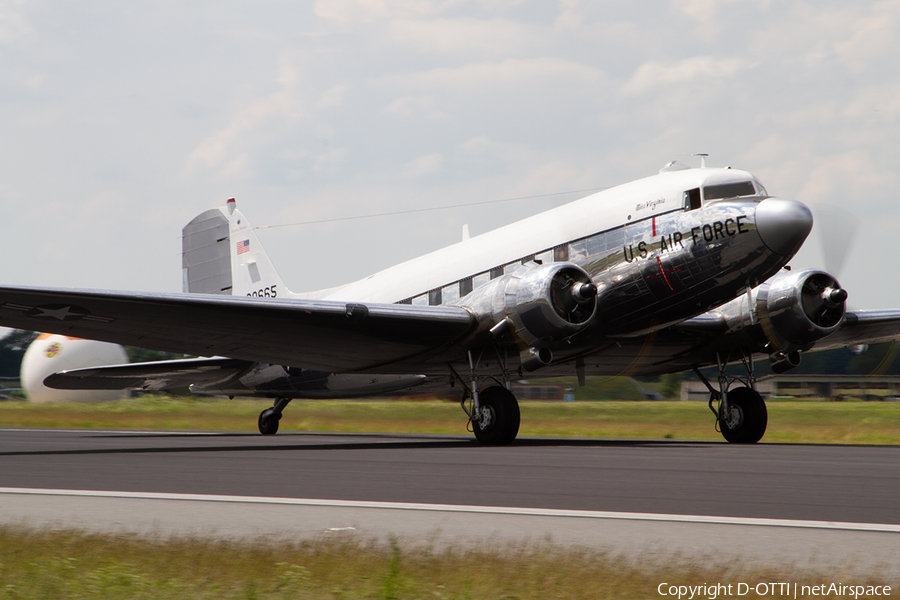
(243, 246)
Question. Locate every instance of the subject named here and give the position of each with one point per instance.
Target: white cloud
(875, 103)
(852, 176)
(511, 71)
(333, 97)
(423, 165)
(482, 147)
(327, 160)
(13, 23)
(345, 11)
(415, 107)
(570, 16)
(709, 13)
(870, 37)
(823, 113)
(858, 37)
(466, 36)
(219, 148)
(654, 74)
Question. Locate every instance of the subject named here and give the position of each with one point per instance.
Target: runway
(812, 504)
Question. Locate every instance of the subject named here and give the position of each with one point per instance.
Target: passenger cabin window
(728, 190)
(434, 297)
(450, 293)
(692, 199)
(561, 253)
(465, 287)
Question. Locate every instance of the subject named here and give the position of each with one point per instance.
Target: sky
(119, 122)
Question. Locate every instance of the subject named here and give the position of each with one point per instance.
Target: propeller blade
(837, 230)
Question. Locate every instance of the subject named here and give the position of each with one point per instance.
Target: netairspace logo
(771, 590)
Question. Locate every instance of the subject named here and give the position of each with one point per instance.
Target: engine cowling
(537, 305)
(799, 309)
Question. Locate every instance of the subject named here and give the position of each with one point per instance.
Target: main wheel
(745, 420)
(268, 422)
(497, 421)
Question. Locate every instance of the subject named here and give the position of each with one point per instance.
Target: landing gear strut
(269, 418)
(741, 415)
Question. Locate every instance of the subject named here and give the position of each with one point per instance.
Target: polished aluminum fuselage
(661, 251)
(657, 258)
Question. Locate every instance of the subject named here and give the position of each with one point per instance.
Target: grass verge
(74, 564)
(789, 421)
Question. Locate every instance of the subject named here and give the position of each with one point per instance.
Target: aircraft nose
(783, 224)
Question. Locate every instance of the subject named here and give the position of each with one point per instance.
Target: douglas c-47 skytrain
(681, 270)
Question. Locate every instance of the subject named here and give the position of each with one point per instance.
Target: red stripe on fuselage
(665, 277)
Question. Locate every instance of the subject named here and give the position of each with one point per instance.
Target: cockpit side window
(692, 199)
(760, 190)
(728, 190)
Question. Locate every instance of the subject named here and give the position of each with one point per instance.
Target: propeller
(823, 300)
(837, 230)
(572, 298)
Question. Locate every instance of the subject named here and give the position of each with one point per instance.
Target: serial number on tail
(266, 292)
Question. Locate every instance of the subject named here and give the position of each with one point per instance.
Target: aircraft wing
(156, 375)
(696, 341)
(864, 327)
(314, 334)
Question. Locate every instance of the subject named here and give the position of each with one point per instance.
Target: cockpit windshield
(728, 190)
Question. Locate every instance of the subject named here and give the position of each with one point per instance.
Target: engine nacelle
(798, 309)
(537, 305)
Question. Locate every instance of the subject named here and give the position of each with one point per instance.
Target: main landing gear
(496, 421)
(744, 419)
(741, 415)
(268, 419)
(493, 411)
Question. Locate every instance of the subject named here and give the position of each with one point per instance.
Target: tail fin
(222, 255)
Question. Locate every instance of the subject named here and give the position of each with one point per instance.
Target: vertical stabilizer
(222, 255)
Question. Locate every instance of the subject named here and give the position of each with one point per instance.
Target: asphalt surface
(858, 484)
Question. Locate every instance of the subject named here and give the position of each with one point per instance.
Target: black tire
(503, 417)
(747, 417)
(268, 422)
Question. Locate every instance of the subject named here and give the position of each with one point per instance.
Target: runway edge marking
(461, 508)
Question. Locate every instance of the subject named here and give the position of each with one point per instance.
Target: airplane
(684, 269)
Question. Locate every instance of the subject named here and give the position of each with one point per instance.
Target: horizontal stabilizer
(159, 375)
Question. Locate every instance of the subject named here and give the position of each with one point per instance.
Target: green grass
(72, 564)
(789, 421)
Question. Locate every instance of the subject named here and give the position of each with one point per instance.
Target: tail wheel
(497, 420)
(745, 420)
(268, 421)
